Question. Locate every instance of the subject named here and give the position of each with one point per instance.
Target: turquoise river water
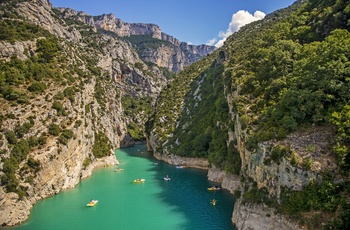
(181, 203)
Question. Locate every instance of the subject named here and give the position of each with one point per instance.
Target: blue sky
(193, 21)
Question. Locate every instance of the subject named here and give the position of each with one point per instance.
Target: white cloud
(212, 42)
(239, 19)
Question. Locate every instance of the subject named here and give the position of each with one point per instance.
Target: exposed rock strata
(62, 165)
(201, 163)
(174, 56)
(257, 216)
(273, 175)
(228, 181)
(8, 50)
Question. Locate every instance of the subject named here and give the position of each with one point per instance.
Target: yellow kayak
(92, 203)
(138, 181)
(214, 188)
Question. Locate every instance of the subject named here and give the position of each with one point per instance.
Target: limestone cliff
(274, 175)
(74, 114)
(173, 55)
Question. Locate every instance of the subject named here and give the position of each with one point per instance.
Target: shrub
(77, 123)
(86, 162)
(35, 165)
(102, 146)
(11, 137)
(37, 87)
(58, 107)
(54, 129)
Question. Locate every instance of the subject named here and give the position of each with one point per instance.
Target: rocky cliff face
(253, 216)
(277, 174)
(99, 76)
(174, 55)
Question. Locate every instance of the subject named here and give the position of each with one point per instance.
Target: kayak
(214, 188)
(138, 181)
(213, 202)
(92, 203)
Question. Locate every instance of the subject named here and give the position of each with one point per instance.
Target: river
(183, 202)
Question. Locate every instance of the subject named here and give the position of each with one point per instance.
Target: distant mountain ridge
(174, 56)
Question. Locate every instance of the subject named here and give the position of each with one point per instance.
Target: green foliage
(278, 152)
(307, 163)
(280, 74)
(69, 92)
(11, 137)
(20, 150)
(35, 165)
(65, 136)
(342, 121)
(144, 42)
(38, 87)
(233, 163)
(15, 30)
(255, 195)
(291, 73)
(58, 107)
(78, 123)
(197, 133)
(11, 94)
(21, 130)
(8, 179)
(170, 101)
(324, 196)
(31, 74)
(138, 110)
(54, 129)
(47, 49)
(18, 153)
(102, 146)
(100, 95)
(59, 96)
(86, 162)
(33, 141)
(135, 131)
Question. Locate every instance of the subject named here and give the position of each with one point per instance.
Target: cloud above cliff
(238, 20)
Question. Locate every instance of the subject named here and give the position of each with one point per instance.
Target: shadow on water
(187, 193)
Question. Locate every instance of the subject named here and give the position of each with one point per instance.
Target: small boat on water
(92, 203)
(167, 178)
(139, 181)
(181, 166)
(214, 188)
(119, 170)
(213, 202)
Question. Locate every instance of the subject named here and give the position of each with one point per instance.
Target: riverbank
(14, 211)
(172, 159)
(181, 203)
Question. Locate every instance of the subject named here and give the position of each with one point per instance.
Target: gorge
(267, 113)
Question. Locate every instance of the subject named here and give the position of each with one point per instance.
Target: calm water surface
(181, 203)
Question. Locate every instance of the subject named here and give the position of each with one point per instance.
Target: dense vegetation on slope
(170, 101)
(286, 72)
(138, 111)
(144, 42)
(22, 81)
(294, 73)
